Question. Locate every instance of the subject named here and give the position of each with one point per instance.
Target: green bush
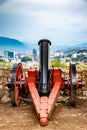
(57, 63)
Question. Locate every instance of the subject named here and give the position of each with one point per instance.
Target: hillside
(75, 49)
(82, 45)
(12, 45)
(16, 45)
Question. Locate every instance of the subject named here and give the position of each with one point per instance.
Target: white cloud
(62, 21)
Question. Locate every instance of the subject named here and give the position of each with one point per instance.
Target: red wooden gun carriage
(43, 85)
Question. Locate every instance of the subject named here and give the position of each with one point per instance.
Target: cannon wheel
(72, 77)
(16, 84)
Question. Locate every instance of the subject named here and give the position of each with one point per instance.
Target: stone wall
(6, 73)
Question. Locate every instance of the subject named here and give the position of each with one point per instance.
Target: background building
(6, 54)
(34, 54)
(9, 55)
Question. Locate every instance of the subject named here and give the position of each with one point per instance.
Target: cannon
(42, 85)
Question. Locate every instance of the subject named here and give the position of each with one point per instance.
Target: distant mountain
(81, 45)
(12, 45)
(68, 48)
(75, 49)
(16, 45)
(57, 47)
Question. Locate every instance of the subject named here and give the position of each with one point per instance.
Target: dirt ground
(63, 117)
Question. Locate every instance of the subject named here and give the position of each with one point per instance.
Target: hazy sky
(60, 21)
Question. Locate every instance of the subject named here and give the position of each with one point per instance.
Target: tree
(26, 58)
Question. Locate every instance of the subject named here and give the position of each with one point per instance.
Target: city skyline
(62, 22)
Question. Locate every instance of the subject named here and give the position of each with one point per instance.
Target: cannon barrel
(44, 84)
